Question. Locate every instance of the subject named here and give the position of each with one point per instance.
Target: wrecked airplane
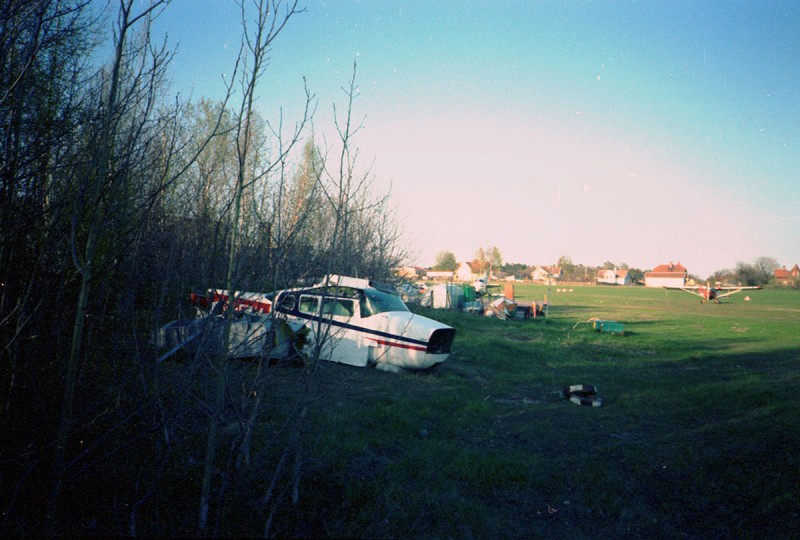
(349, 320)
(362, 322)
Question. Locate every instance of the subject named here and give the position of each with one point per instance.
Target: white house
(546, 273)
(613, 277)
(468, 271)
(666, 275)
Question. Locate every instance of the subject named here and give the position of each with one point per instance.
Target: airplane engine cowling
(441, 341)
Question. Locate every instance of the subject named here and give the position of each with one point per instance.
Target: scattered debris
(505, 308)
(444, 296)
(502, 308)
(605, 327)
(583, 394)
(480, 286)
(249, 337)
(609, 327)
(508, 291)
(537, 309)
(474, 307)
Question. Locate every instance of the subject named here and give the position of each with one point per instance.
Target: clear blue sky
(637, 132)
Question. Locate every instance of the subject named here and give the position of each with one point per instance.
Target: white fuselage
(355, 323)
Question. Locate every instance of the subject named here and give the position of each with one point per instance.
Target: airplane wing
(690, 289)
(732, 290)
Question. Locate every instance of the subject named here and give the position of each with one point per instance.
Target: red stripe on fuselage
(255, 304)
(401, 345)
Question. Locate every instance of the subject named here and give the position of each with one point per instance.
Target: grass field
(697, 436)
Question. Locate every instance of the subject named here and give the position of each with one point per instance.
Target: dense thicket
(116, 201)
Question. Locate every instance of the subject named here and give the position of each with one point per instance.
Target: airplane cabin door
(342, 343)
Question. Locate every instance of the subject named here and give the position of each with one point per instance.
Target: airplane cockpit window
(309, 304)
(338, 306)
(375, 301)
(287, 302)
(340, 292)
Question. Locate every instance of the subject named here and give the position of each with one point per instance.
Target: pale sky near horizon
(636, 132)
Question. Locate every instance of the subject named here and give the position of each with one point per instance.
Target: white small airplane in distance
(358, 322)
(709, 293)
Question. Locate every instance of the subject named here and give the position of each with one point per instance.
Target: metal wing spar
(732, 290)
(690, 290)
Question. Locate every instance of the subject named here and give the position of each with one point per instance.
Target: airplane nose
(441, 341)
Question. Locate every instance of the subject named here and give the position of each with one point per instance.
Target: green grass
(697, 437)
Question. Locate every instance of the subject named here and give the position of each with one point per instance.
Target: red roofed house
(666, 275)
(787, 277)
(410, 272)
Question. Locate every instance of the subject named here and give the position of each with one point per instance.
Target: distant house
(787, 277)
(546, 273)
(613, 277)
(666, 275)
(411, 272)
(468, 271)
(440, 275)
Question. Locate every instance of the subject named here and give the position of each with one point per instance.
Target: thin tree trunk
(99, 178)
(69, 397)
(222, 371)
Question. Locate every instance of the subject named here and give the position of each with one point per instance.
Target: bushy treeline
(116, 201)
(574, 272)
(760, 272)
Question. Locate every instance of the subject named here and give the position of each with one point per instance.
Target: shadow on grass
(697, 437)
(696, 446)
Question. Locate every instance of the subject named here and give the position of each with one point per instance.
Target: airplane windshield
(375, 301)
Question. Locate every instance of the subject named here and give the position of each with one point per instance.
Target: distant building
(666, 275)
(468, 271)
(440, 275)
(613, 277)
(411, 272)
(787, 277)
(546, 273)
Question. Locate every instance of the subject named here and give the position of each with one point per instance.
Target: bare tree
(41, 48)
(344, 214)
(270, 17)
(114, 202)
(104, 184)
(488, 258)
(42, 45)
(757, 273)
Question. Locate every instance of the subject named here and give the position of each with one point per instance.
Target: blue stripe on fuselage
(315, 318)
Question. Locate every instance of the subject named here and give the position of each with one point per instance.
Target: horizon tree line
(759, 272)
